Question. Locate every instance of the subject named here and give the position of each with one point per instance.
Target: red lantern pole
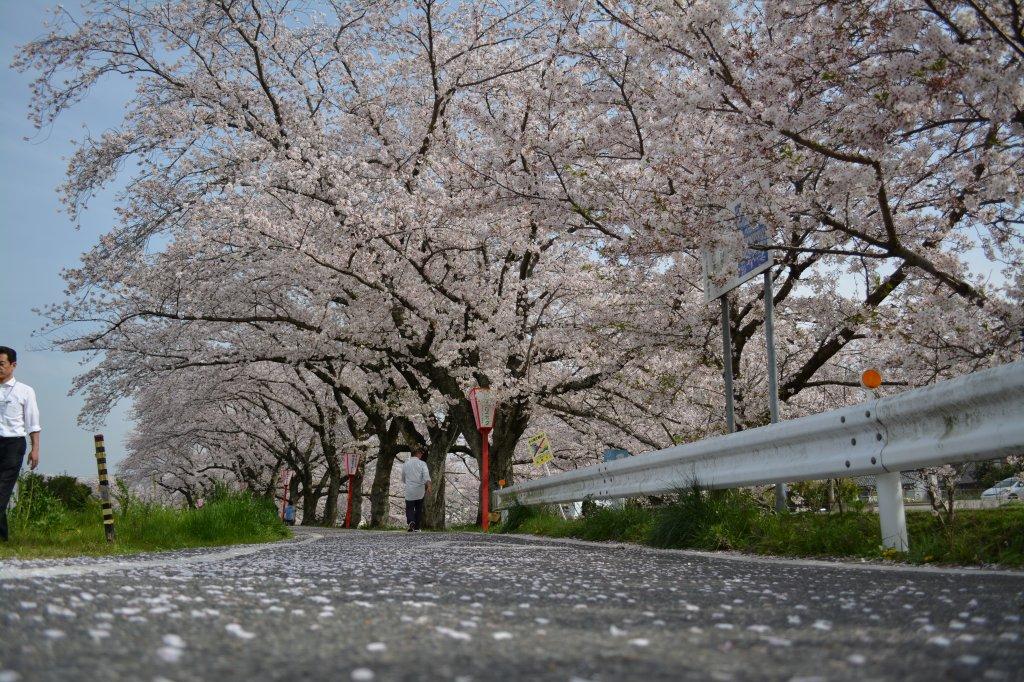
(348, 512)
(351, 460)
(485, 478)
(484, 405)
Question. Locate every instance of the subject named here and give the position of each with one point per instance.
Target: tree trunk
(357, 495)
(271, 491)
(330, 518)
(950, 502)
(434, 505)
(442, 437)
(309, 499)
(333, 488)
(293, 489)
(944, 509)
(380, 491)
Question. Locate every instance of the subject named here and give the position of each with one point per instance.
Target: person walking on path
(19, 417)
(416, 478)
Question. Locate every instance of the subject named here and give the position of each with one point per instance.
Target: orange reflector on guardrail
(871, 378)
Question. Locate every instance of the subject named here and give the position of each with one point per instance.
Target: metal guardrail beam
(974, 417)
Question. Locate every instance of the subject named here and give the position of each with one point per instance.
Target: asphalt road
(382, 606)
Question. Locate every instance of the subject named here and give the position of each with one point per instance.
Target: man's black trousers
(12, 452)
(414, 512)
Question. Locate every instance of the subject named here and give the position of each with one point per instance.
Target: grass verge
(735, 520)
(42, 529)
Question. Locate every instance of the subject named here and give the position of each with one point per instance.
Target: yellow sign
(540, 448)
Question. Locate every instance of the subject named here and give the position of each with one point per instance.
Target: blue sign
(612, 454)
(753, 235)
(718, 279)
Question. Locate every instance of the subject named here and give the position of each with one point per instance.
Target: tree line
(338, 217)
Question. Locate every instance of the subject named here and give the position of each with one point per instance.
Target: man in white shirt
(19, 417)
(416, 478)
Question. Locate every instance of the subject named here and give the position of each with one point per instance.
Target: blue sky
(38, 240)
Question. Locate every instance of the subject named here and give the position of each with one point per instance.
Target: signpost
(351, 461)
(484, 404)
(540, 449)
(542, 453)
(610, 455)
(753, 262)
(718, 282)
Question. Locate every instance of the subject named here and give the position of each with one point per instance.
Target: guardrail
(974, 417)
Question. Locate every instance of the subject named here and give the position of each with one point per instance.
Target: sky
(38, 240)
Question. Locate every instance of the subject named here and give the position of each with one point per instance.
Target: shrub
(233, 516)
(517, 516)
(738, 520)
(71, 493)
(35, 507)
(716, 519)
(815, 493)
(623, 524)
(123, 497)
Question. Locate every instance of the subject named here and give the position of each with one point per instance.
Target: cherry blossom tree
(392, 202)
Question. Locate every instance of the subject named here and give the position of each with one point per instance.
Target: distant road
(336, 605)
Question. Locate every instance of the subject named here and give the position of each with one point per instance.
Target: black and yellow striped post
(101, 464)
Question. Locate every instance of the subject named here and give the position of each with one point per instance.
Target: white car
(1007, 489)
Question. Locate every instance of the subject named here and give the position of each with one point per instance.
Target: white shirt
(19, 414)
(415, 476)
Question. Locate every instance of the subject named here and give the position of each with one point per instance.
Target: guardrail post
(890, 511)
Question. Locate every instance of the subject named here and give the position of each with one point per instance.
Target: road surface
(351, 605)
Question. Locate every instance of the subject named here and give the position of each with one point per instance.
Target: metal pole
(348, 512)
(101, 465)
(485, 481)
(547, 472)
(730, 416)
(890, 511)
(773, 376)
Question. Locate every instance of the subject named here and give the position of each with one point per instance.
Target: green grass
(460, 528)
(735, 520)
(41, 528)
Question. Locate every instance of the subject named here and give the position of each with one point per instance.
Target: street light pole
(485, 478)
(348, 511)
(484, 404)
(351, 461)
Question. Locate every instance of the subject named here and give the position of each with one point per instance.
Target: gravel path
(337, 605)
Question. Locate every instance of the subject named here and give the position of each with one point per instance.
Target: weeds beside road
(43, 526)
(735, 520)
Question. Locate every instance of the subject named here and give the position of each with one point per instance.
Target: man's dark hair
(12, 355)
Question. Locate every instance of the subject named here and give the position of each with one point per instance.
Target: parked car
(1007, 489)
